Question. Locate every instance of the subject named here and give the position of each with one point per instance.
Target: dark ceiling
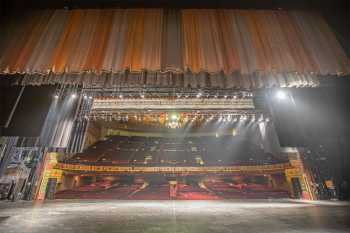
(270, 4)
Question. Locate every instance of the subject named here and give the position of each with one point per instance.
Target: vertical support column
(14, 107)
(93, 179)
(6, 153)
(173, 189)
(272, 182)
(76, 181)
(48, 171)
(299, 174)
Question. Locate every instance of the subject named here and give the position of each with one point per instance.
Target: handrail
(166, 169)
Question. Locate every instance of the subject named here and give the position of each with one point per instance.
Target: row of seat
(226, 150)
(206, 191)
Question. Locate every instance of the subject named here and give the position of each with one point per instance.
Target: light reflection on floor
(174, 216)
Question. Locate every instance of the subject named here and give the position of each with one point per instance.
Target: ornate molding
(175, 170)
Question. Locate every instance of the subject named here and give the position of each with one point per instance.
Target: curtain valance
(250, 47)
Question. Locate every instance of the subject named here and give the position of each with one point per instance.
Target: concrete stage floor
(247, 216)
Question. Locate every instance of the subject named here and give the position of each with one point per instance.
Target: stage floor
(246, 216)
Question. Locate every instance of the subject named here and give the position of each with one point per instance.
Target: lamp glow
(173, 117)
(281, 95)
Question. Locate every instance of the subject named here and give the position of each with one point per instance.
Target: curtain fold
(170, 79)
(172, 42)
(196, 47)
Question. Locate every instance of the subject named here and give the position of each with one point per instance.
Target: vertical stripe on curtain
(171, 57)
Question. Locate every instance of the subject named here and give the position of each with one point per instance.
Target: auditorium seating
(95, 192)
(246, 191)
(146, 151)
(185, 151)
(153, 192)
(209, 190)
(194, 192)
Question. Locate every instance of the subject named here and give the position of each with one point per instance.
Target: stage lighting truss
(170, 93)
(100, 104)
(179, 119)
(171, 108)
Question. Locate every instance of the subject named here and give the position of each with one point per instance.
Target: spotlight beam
(281, 95)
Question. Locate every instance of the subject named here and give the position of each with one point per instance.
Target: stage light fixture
(243, 117)
(56, 96)
(281, 95)
(74, 95)
(233, 132)
(90, 97)
(174, 116)
(261, 118)
(121, 96)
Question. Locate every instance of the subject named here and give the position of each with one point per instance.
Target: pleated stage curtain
(182, 48)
